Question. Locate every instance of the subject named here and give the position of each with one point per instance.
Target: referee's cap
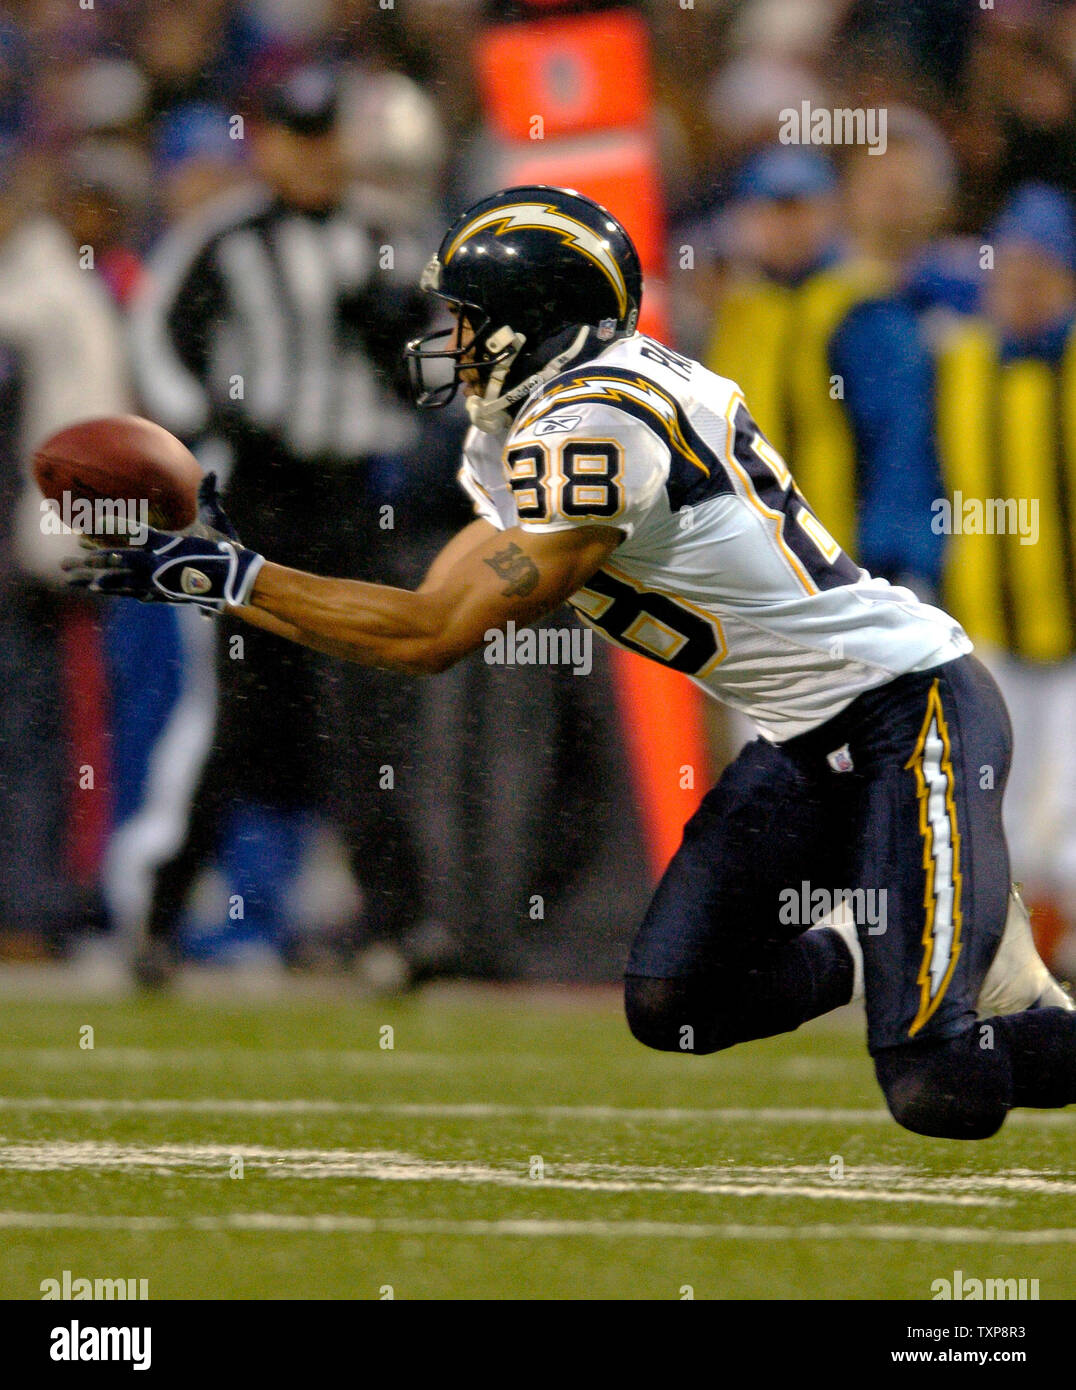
(305, 101)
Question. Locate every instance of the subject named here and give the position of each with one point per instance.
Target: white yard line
(465, 1110)
(881, 1184)
(78, 1221)
(482, 1110)
(330, 1224)
(400, 1059)
(898, 1179)
(187, 1058)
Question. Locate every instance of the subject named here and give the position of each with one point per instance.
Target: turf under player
(611, 472)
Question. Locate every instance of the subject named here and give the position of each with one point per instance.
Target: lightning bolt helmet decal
(538, 277)
(546, 217)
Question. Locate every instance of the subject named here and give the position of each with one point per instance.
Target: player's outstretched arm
(472, 588)
(461, 544)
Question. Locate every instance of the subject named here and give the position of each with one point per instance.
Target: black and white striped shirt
(263, 322)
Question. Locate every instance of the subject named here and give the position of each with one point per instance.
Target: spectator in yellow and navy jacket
(835, 365)
(1007, 438)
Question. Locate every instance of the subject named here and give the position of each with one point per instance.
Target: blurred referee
(270, 339)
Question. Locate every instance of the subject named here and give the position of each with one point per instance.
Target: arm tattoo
(519, 569)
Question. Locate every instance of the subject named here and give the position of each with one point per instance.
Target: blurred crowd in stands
(196, 202)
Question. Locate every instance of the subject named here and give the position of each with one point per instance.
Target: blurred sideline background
(215, 213)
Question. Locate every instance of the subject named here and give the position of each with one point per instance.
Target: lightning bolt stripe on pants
(931, 762)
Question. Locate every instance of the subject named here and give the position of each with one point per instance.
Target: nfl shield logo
(840, 760)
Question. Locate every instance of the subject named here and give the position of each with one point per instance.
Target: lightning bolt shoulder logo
(932, 764)
(625, 389)
(545, 217)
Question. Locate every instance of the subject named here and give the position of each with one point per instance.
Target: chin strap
(486, 410)
(492, 412)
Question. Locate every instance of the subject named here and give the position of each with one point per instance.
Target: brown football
(121, 467)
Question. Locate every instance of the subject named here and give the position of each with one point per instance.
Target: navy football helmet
(537, 277)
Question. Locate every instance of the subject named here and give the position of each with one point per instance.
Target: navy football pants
(913, 821)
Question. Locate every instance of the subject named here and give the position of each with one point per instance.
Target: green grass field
(509, 1145)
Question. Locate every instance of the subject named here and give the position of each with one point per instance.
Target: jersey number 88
(583, 479)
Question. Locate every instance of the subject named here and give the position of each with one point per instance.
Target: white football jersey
(724, 572)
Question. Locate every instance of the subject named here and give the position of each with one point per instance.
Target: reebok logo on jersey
(558, 424)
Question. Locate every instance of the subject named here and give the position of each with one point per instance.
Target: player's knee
(671, 1015)
(648, 1006)
(945, 1090)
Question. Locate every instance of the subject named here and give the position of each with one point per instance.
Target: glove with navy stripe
(206, 565)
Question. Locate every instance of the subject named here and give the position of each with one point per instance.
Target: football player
(613, 473)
